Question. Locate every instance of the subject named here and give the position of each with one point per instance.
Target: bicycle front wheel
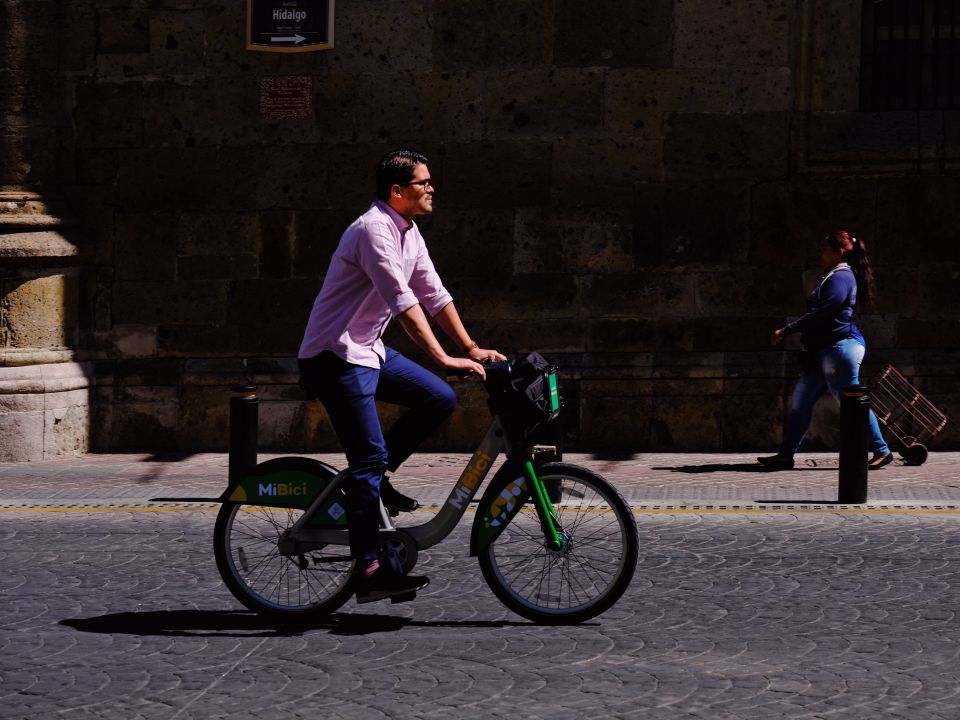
(296, 587)
(588, 574)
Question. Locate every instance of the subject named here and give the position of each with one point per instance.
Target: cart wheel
(915, 454)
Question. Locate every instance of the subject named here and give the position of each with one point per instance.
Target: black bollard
(243, 432)
(854, 442)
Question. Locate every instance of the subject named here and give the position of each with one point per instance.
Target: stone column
(44, 390)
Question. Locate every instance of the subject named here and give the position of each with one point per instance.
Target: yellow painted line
(118, 508)
(639, 510)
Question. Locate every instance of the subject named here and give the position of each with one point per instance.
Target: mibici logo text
(282, 489)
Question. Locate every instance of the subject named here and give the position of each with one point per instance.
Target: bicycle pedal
(403, 598)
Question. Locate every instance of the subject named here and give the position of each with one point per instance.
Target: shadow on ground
(200, 623)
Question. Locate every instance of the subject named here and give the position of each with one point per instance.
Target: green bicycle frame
(541, 501)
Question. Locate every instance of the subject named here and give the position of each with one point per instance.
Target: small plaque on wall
(286, 98)
(289, 25)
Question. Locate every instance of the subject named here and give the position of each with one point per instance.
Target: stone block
(262, 309)
(134, 340)
(514, 336)
(142, 426)
(699, 146)
(21, 436)
(834, 76)
(218, 233)
(449, 105)
(614, 423)
(746, 33)
(79, 46)
(204, 422)
(122, 30)
(39, 312)
(639, 335)
(683, 225)
(157, 303)
(192, 340)
(261, 177)
(206, 112)
(917, 220)
(865, 141)
(374, 36)
(109, 115)
(66, 424)
(652, 295)
(476, 34)
(738, 333)
(503, 174)
(933, 333)
(576, 241)
(751, 422)
(169, 179)
(951, 139)
(176, 40)
(198, 268)
(685, 423)
(749, 293)
(347, 116)
(277, 243)
(470, 242)
(316, 237)
(788, 220)
(517, 297)
(145, 246)
(544, 102)
(606, 32)
(604, 171)
(940, 291)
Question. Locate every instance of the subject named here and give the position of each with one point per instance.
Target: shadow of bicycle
(220, 623)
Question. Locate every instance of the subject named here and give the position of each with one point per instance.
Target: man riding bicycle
(380, 270)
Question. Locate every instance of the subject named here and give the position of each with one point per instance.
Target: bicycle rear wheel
(582, 579)
(296, 587)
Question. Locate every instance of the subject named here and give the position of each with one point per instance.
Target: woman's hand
(776, 338)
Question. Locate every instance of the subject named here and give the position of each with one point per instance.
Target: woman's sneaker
(394, 500)
(879, 460)
(776, 462)
(384, 583)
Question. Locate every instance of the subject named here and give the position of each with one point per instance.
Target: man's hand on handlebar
(480, 355)
(464, 367)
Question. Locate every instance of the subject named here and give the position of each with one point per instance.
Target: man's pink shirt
(380, 269)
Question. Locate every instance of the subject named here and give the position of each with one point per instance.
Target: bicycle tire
(299, 588)
(586, 577)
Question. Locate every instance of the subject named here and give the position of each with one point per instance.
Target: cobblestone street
(113, 608)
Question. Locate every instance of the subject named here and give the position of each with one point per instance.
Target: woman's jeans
(349, 394)
(835, 368)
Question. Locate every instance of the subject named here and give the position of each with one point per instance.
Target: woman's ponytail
(854, 253)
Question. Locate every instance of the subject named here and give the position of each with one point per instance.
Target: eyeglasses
(428, 183)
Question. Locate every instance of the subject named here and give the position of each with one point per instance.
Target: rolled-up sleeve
(380, 257)
(426, 284)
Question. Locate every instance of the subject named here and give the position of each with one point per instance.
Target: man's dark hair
(396, 168)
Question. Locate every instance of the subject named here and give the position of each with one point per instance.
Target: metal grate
(910, 55)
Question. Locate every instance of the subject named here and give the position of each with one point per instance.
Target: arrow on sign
(295, 39)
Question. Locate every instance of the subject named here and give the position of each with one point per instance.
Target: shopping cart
(906, 414)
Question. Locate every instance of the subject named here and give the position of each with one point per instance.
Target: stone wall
(635, 189)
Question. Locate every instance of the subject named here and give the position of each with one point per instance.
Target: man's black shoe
(393, 499)
(384, 583)
(776, 462)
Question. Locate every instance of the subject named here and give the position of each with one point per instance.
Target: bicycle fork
(549, 524)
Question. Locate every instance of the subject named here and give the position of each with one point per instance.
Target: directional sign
(289, 25)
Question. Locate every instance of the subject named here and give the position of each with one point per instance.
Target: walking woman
(833, 346)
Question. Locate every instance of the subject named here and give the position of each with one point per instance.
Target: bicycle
(556, 542)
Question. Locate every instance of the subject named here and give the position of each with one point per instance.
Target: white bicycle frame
(305, 538)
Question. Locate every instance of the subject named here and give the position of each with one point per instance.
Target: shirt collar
(399, 220)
